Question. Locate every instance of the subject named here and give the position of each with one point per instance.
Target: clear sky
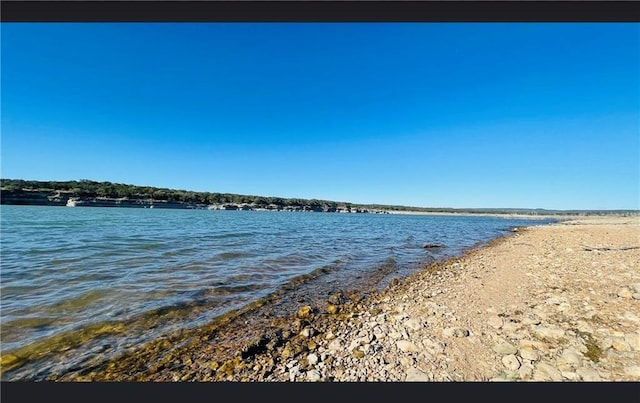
(535, 115)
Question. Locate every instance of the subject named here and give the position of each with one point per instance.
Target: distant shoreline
(509, 215)
(87, 193)
(162, 204)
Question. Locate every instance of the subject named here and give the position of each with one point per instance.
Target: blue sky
(535, 115)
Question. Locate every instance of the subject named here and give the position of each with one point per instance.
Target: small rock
(455, 332)
(287, 352)
(337, 299)
(407, 346)
(620, 345)
(505, 348)
(530, 321)
(633, 370)
(525, 371)
(546, 372)
(588, 374)
(413, 324)
(304, 312)
(572, 376)
(630, 316)
(335, 345)
(312, 359)
(307, 332)
(357, 353)
(584, 327)
(625, 293)
(572, 358)
(511, 328)
(606, 343)
(548, 332)
(511, 362)
(555, 300)
(529, 353)
(495, 322)
(313, 376)
(293, 372)
(634, 340)
(415, 375)
(406, 361)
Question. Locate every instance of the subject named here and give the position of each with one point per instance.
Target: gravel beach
(558, 302)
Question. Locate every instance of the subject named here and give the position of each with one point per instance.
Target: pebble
(588, 374)
(505, 348)
(407, 346)
(511, 362)
(572, 358)
(548, 332)
(313, 375)
(495, 322)
(528, 353)
(312, 359)
(625, 293)
(633, 370)
(544, 371)
(415, 375)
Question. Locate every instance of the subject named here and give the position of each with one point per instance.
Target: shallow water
(72, 275)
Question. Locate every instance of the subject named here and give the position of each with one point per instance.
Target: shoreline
(497, 312)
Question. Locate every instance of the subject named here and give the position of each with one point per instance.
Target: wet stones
(333, 309)
(304, 312)
(337, 299)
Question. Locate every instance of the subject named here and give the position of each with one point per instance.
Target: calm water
(69, 271)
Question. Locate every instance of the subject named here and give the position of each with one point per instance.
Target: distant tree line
(88, 188)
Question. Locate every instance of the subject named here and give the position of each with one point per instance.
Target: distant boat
(71, 202)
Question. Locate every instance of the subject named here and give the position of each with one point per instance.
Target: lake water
(70, 276)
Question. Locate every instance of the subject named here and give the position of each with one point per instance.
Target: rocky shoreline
(550, 303)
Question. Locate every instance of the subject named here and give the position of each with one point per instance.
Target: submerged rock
(432, 245)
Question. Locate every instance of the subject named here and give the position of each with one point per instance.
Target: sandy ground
(559, 302)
